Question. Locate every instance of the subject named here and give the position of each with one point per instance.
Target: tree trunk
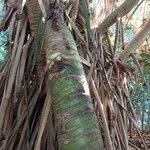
(76, 124)
(136, 42)
(34, 15)
(121, 11)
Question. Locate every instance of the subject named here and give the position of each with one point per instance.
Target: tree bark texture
(76, 124)
(34, 15)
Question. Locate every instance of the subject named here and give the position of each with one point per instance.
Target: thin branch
(136, 42)
(121, 11)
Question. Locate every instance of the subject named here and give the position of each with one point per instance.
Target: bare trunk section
(121, 11)
(34, 15)
(37, 29)
(136, 42)
(76, 124)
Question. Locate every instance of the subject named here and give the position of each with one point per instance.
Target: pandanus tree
(49, 100)
(76, 123)
(75, 120)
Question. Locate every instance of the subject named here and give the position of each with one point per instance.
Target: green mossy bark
(76, 124)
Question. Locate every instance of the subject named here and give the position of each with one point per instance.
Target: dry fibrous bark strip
(74, 11)
(11, 80)
(76, 123)
(118, 13)
(44, 117)
(137, 41)
(21, 120)
(12, 5)
(107, 137)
